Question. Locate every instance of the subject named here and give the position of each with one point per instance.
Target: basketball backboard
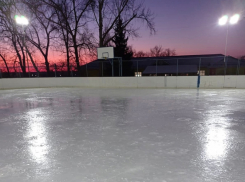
(105, 52)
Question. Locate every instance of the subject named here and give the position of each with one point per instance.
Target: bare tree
(4, 52)
(170, 52)
(4, 59)
(9, 30)
(65, 39)
(140, 54)
(157, 51)
(107, 12)
(41, 28)
(242, 57)
(72, 19)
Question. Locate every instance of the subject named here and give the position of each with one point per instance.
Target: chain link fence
(137, 67)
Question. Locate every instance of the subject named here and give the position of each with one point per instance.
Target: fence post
(71, 72)
(225, 67)
(112, 68)
(86, 69)
(102, 68)
(238, 67)
(156, 67)
(119, 65)
(177, 67)
(55, 70)
(38, 71)
(199, 74)
(137, 68)
(19, 73)
(200, 62)
(0, 73)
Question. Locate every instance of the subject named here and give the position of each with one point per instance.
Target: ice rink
(122, 135)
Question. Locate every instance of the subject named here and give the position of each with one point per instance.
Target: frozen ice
(122, 135)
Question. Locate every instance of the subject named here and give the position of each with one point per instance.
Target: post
(24, 44)
(121, 67)
(199, 74)
(177, 67)
(0, 73)
(102, 69)
(23, 41)
(156, 67)
(19, 72)
(71, 71)
(226, 42)
(27, 63)
(200, 62)
(38, 74)
(225, 66)
(55, 70)
(137, 67)
(86, 69)
(238, 67)
(112, 67)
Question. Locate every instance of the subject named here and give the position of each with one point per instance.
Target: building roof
(183, 57)
(170, 69)
(206, 60)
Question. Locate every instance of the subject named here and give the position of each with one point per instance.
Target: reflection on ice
(216, 147)
(37, 136)
(217, 136)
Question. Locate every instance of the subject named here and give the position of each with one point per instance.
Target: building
(189, 65)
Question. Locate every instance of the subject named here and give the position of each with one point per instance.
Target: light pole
(23, 21)
(226, 20)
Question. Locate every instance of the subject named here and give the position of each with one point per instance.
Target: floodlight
(234, 19)
(24, 20)
(17, 19)
(223, 20)
(21, 20)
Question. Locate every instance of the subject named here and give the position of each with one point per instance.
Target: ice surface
(122, 135)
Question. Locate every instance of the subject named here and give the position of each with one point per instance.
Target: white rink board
(126, 82)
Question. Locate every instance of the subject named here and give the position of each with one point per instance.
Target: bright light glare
(223, 20)
(234, 19)
(21, 20)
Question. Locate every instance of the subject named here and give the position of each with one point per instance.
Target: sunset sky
(191, 27)
(188, 26)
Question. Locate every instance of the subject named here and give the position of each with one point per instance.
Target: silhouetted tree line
(71, 28)
(157, 51)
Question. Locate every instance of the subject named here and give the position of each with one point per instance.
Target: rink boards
(126, 82)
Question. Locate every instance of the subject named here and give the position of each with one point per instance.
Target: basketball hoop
(105, 53)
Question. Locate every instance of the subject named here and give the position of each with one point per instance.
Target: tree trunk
(66, 40)
(76, 54)
(68, 60)
(23, 55)
(32, 61)
(77, 59)
(47, 65)
(5, 62)
(101, 43)
(22, 66)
